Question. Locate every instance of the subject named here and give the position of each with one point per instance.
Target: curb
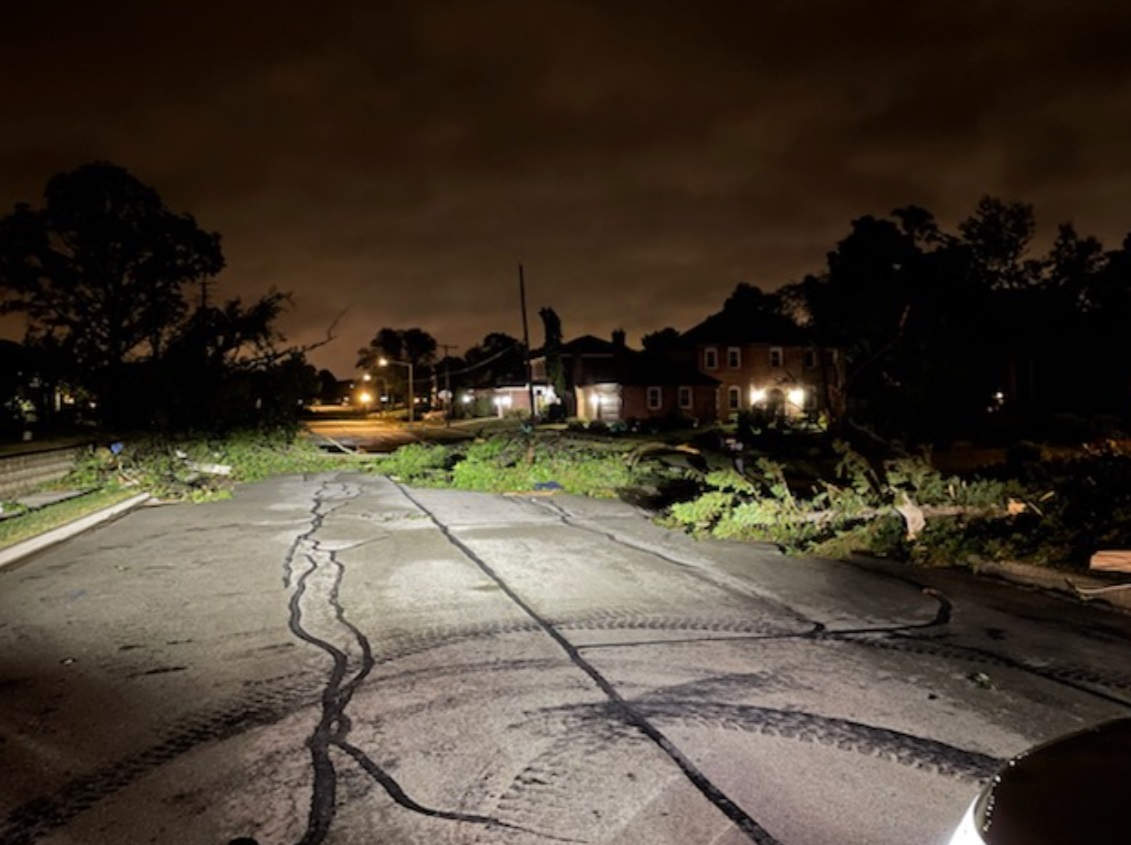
(71, 529)
(1057, 581)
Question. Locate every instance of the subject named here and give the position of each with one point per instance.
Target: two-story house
(608, 381)
(762, 362)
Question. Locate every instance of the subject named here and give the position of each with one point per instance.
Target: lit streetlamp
(384, 362)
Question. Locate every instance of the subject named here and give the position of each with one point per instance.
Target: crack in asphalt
(622, 707)
(333, 728)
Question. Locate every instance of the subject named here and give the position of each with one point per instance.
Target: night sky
(399, 159)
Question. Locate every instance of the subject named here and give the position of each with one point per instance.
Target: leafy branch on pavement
(200, 469)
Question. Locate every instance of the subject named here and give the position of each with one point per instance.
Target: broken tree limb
(1111, 560)
(913, 516)
(927, 512)
(1092, 592)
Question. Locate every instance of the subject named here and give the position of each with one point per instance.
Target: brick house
(762, 362)
(607, 381)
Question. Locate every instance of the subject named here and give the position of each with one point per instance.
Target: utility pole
(526, 341)
(447, 382)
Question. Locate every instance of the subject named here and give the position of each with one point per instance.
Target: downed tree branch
(1092, 592)
(922, 511)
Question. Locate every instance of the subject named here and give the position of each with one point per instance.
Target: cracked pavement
(338, 659)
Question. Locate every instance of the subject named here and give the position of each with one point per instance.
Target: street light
(384, 362)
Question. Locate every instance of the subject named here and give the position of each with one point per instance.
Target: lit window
(655, 398)
(685, 397)
(711, 358)
(734, 357)
(734, 398)
(776, 356)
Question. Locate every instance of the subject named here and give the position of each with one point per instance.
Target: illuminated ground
(337, 659)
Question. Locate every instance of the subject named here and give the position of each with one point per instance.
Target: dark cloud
(640, 158)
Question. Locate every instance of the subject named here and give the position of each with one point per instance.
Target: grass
(33, 523)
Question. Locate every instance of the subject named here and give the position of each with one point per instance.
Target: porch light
(757, 395)
(796, 396)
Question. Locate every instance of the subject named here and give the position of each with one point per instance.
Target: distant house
(608, 381)
(761, 361)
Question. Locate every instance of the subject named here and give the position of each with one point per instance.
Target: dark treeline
(123, 328)
(948, 334)
(938, 334)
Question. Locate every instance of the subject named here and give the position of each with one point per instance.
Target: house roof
(588, 344)
(729, 327)
(643, 368)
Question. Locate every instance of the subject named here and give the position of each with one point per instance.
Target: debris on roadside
(980, 679)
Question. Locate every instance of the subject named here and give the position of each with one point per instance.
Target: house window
(711, 358)
(776, 356)
(685, 397)
(810, 359)
(734, 357)
(734, 398)
(655, 398)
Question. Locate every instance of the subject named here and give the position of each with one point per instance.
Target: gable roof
(594, 360)
(588, 344)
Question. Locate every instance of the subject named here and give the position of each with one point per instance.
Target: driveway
(338, 659)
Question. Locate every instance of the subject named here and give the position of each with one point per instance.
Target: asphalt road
(337, 659)
(369, 434)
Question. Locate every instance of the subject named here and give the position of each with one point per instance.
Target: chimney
(618, 337)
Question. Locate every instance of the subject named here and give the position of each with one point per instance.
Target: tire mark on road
(725, 583)
(843, 734)
(334, 726)
(1081, 679)
(623, 709)
(258, 707)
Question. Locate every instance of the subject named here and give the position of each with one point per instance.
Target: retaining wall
(22, 473)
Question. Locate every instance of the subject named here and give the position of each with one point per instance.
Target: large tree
(497, 359)
(103, 272)
(662, 341)
(552, 350)
(114, 286)
(904, 307)
(413, 345)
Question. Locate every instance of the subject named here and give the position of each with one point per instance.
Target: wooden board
(1112, 560)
